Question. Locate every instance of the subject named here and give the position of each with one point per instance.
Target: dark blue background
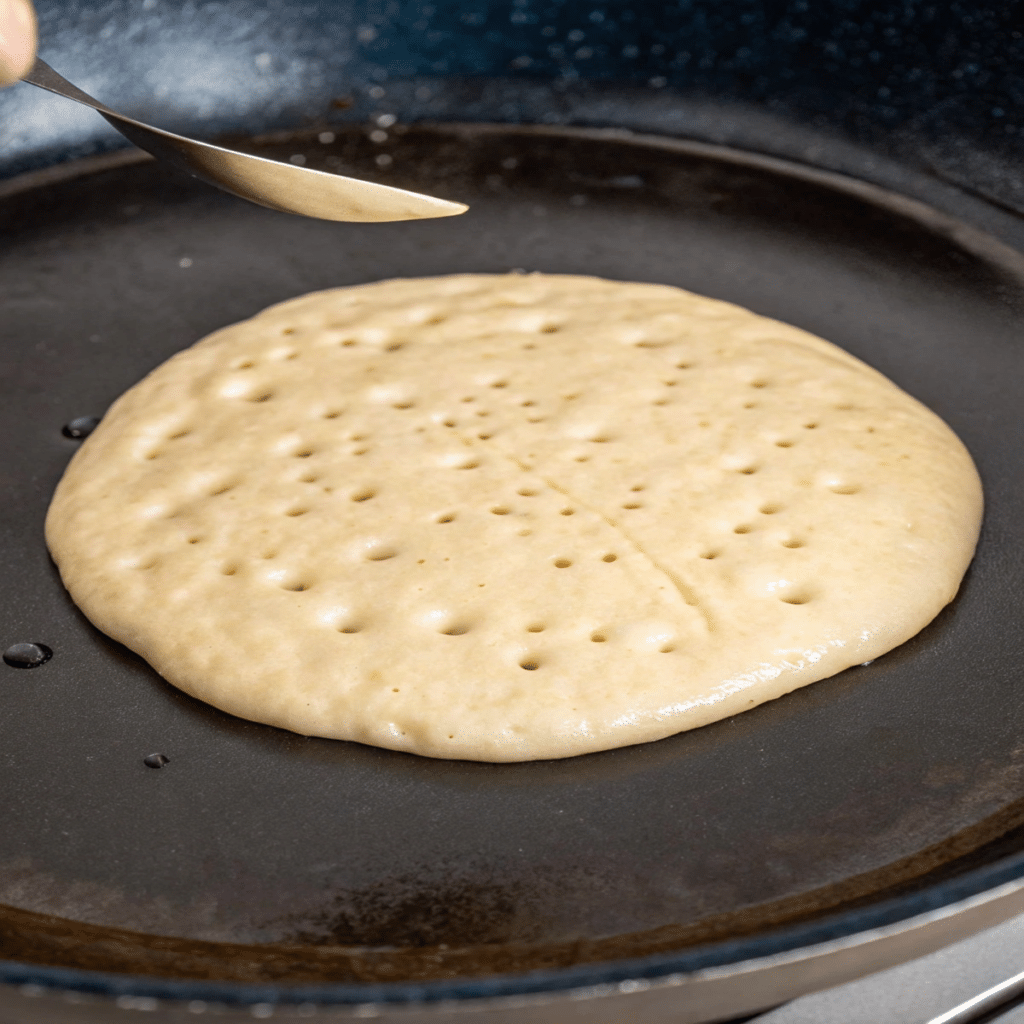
(936, 87)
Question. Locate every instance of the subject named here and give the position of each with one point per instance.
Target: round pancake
(511, 517)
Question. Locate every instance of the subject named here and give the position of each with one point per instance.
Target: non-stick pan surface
(396, 867)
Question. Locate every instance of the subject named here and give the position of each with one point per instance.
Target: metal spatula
(269, 183)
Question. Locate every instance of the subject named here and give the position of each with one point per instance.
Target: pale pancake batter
(511, 517)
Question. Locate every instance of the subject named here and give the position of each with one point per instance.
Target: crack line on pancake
(681, 588)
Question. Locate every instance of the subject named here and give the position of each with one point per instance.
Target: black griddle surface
(254, 835)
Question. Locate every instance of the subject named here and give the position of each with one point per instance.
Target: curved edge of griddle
(702, 993)
(939, 876)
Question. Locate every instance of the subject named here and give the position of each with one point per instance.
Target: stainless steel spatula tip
(278, 186)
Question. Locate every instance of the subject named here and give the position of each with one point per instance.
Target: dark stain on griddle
(404, 913)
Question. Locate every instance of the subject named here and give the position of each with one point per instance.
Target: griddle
(255, 864)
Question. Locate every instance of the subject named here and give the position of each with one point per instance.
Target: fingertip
(17, 40)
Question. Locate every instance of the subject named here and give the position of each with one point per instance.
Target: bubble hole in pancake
(504, 518)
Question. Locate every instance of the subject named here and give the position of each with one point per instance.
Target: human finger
(17, 39)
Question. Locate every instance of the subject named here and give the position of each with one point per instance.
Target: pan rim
(977, 240)
(997, 881)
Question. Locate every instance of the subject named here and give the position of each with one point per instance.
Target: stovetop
(919, 991)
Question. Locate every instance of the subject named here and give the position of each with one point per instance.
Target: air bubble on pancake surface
(395, 395)
(288, 444)
(236, 387)
(374, 336)
(428, 315)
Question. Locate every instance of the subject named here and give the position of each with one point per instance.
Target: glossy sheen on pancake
(511, 517)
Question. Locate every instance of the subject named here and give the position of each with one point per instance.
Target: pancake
(510, 517)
